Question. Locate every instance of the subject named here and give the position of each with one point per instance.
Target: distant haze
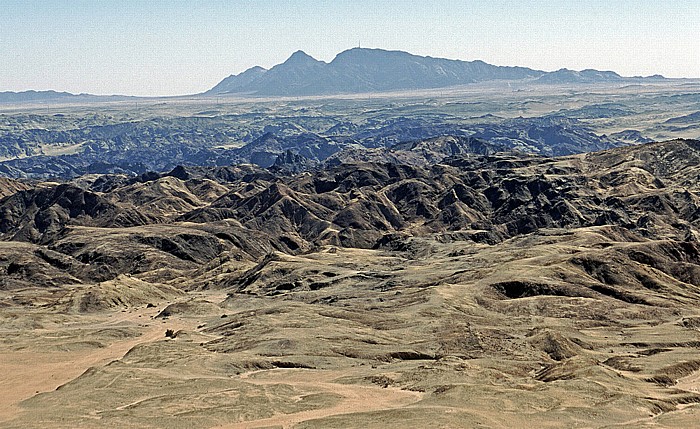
(137, 47)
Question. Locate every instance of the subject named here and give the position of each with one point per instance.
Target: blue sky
(169, 47)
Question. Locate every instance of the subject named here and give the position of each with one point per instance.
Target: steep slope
(489, 198)
(299, 74)
(38, 215)
(9, 187)
(237, 83)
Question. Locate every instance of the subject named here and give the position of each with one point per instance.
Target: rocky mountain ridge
(361, 70)
(477, 194)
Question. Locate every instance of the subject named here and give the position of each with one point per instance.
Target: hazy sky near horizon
(161, 47)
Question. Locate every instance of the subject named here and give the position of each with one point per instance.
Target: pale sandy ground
(484, 384)
(27, 373)
(24, 374)
(690, 383)
(355, 398)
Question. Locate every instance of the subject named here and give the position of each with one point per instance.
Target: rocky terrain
(446, 282)
(64, 140)
(39, 146)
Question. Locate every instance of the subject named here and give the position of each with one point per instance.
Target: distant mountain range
(54, 97)
(361, 70)
(29, 96)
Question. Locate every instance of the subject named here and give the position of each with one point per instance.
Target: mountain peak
(255, 69)
(355, 53)
(300, 57)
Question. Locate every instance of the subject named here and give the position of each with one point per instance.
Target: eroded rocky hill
(489, 288)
